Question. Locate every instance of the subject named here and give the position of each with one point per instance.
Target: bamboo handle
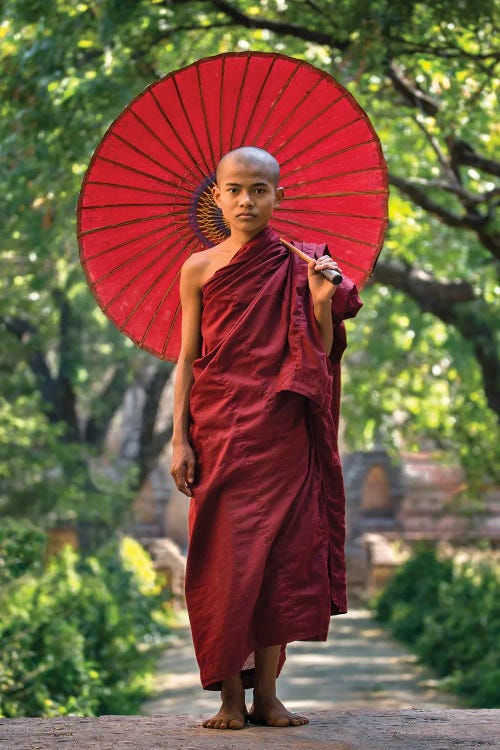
(333, 276)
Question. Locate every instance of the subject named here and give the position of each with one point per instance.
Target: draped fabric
(267, 519)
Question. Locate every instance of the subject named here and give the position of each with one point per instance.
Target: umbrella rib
(150, 158)
(277, 98)
(221, 104)
(122, 265)
(133, 280)
(292, 112)
(330, 156)
(169, 332)
(162, 143)
(325, 137)
(129, 187)
(330, 105)
(346, 262)
(348, 173)
(238, 101)
(205, 119)
(165, 295)
(123, 244)
(329, 213)
(257, 98)
(339, 194)
(124, 205)
(150, 289)
(130, 222)
(329, 231)
(167, 120)
(181, 102)
(140, 171)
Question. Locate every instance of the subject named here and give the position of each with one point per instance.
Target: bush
(448, 610)
(22, 546)
(80, 636)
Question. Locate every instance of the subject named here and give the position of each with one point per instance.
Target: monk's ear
(216, 194)
(278, 196)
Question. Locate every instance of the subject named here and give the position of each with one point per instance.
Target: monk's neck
(238, 238)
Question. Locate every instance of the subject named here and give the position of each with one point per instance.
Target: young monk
(254, 445)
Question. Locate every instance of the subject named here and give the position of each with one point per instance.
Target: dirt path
(358, 667)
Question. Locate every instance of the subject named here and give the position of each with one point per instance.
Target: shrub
(449, 611)
(412, 593)
(77, 637)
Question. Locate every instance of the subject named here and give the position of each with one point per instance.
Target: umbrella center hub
(205, 217)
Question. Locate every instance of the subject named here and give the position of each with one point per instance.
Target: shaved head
(251, 156)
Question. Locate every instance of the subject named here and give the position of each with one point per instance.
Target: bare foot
(271, 712)
(231, 715)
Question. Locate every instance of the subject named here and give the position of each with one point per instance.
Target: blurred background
(93, 534)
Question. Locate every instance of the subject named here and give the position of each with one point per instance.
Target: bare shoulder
(200, 266)
(194, 268)
(196, 262)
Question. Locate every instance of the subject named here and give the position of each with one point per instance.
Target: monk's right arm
(183, 457)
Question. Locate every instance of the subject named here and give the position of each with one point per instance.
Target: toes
(223, 723)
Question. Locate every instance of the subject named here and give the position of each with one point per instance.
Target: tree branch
(453, 175)
(462, 153)
(472, 219)
(278, 27)
(431, 294)
(25, 332)
(450, 51)
(412, 95)
(414, 191)
(68, 338)
(457, 190)
(455, 303)
(109, 401)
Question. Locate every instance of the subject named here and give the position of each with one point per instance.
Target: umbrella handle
(333, 276)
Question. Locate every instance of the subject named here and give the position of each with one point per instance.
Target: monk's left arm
(322, 292)
(323, 315)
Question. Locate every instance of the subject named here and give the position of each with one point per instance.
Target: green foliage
(424, 385)
(403, 603)
(448, 610)
(22, 546)
(68, 68)
(80, 636)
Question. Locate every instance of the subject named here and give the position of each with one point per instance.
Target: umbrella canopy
(146, 199)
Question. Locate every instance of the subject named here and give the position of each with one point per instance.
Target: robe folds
(265, 562)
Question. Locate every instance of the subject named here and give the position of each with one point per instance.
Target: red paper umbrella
(146, 203)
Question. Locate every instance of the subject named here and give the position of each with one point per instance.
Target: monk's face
(247, 194)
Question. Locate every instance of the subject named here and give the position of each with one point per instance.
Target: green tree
(423, 357)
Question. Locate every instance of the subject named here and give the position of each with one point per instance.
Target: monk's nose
(246, 199)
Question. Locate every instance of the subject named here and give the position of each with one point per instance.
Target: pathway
(359, 667)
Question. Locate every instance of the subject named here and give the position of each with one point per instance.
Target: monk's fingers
(326, 262)
(190, 466)
(179, 475)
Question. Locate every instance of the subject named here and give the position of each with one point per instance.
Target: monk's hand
(322, 290)
(182, 467)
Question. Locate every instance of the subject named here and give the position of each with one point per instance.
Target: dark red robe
(265, 561)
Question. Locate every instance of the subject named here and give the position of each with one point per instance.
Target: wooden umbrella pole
(335, 277)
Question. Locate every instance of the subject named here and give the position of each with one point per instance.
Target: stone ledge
(402, 729)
